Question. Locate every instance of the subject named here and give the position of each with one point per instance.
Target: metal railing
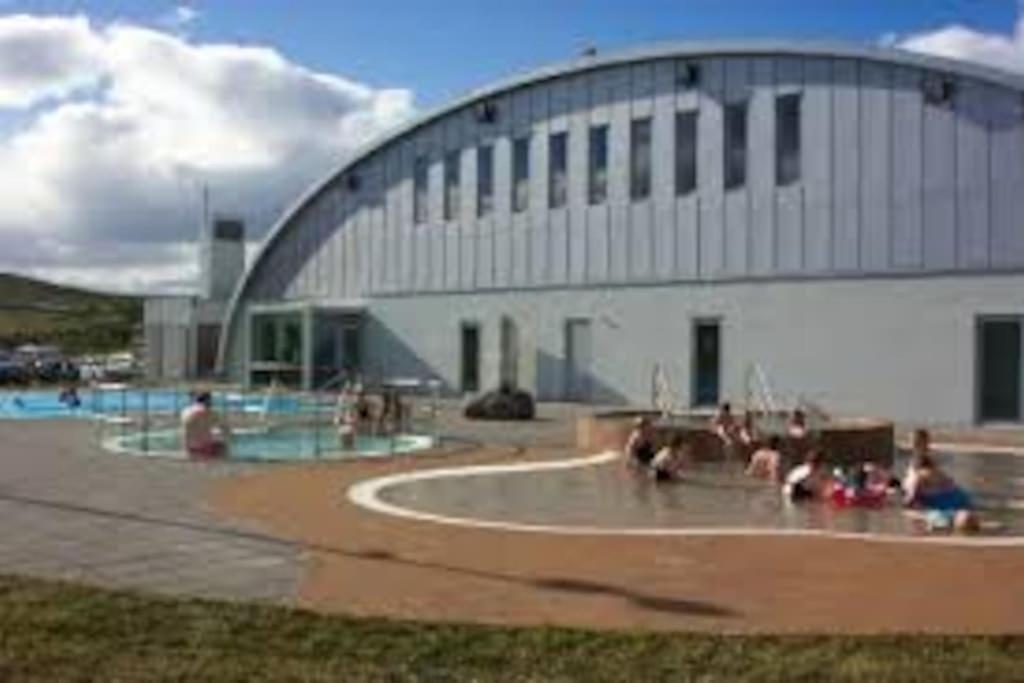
(265, 424)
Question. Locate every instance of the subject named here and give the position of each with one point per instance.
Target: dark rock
(504, 404)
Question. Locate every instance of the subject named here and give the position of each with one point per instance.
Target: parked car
(12, 372)
(120, 367)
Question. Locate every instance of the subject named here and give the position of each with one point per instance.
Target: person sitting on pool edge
(671, 460)
(808, 481)
(766, 462)
(639, 448)
(204, 433)
(928, 487)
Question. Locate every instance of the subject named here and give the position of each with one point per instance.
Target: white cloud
(46, 57)
(102, 186)
(180, 17)
(960, 42)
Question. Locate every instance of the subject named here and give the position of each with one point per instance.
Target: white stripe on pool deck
(366, 494)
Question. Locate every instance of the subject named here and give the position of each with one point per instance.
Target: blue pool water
(44, 404)
(284, 443)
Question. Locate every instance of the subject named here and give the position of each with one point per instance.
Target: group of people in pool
(355, 413)
(925, 488)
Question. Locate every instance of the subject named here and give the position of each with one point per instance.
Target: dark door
(470, 358)
(999, 369)
(707, 360)
(578, 351)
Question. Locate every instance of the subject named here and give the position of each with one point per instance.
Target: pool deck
(288, 534)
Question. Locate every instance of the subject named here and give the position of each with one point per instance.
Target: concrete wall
(900, 348)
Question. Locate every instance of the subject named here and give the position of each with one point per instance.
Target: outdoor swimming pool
(292, 443)
(42, 404)
(598, 495)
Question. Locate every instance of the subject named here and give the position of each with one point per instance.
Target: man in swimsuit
(766, 461)
(204, 434)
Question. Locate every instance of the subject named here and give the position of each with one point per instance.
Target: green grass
(61, 632)
(77, 320)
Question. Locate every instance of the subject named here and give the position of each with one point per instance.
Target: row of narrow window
(735, 147)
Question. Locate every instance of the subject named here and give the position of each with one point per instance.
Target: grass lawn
(56, 632)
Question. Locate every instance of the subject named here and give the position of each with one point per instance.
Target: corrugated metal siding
(889, 183)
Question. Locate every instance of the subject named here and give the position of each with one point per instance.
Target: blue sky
(441, 48)
(115, 113)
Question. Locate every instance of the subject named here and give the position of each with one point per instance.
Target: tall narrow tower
(221, 257)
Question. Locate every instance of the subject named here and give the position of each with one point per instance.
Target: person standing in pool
(204, 434)
(639, 448)
(345, 417)
(724, 425)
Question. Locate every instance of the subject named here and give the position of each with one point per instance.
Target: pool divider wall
(844, 441)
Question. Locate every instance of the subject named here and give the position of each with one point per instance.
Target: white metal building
(849, 219)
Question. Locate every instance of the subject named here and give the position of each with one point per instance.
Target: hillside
(78, 320)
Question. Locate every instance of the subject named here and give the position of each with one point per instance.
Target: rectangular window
(640, 159)
(452, 185)
(484, 180)
(787, 139)
(686, 152)
(597, 188)
(419, 194)
(558, 181)
(470, 342)
(520, 174)
(735, 145)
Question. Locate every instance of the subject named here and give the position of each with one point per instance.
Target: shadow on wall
(556, 381)
(387, 355)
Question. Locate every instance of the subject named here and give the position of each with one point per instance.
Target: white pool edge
(366, 495)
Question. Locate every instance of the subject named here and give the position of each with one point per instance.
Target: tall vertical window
(558, 181)
(484, 180)
(735, 145)
(686, 152)
(419, 191)
(520, 174)
(597, 186)
(452, 184)
(640, 159)
(787, 139)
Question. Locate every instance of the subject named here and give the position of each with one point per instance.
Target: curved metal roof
(673, 50)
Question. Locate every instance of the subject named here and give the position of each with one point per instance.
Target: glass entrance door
(707, 358)
(999, 369)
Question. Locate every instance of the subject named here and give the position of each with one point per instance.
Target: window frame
(788, 162)
(420, 189)
(452, 184)
(733, 179)
(484, 190)
(558, 196)
(597, 165)
(520, 185)
(640, 167)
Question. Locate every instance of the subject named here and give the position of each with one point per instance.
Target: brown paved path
(366, 563)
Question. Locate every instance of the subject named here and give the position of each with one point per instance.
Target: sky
(114, 114)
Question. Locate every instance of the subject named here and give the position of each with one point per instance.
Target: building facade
(841, 224)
